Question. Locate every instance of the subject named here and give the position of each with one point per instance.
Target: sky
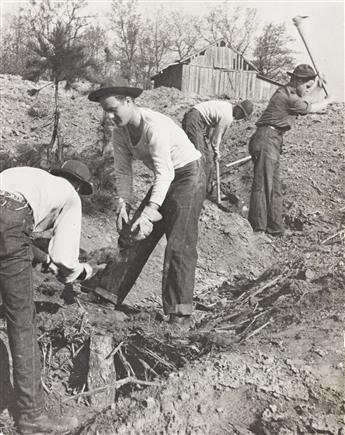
(323, 29)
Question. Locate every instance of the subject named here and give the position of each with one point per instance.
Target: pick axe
(298, 23)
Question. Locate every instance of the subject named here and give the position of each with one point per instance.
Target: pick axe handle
(311, 56)
(236, 162)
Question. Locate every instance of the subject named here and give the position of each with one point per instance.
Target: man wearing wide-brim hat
(34, 200)
(212, 119)
(173, 204)
(298, 97)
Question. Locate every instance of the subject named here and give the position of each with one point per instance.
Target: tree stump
(101, 370)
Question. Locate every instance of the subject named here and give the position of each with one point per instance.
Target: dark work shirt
(283, 108)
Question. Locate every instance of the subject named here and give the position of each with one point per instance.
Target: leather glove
(42, 258)
(122, 214)
(48, 266)
(96, 267)
(320, 80)
(144, 224)
(89, 270)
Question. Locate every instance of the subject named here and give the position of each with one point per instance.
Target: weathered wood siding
(221, 57)
(217, 70)
(216, 82)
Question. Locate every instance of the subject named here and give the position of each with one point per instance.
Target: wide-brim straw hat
(79, 171)
(112, 87)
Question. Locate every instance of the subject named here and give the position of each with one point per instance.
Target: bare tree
(125, 22)
(272, 53)
(153, 48)
(13, 50)
(235, 24)
(185, 33)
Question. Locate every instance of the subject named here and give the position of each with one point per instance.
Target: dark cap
(303, 71)
(247, 107)
(113, 87)
(78, 171)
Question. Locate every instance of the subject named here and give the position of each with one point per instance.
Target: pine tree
(57, 52)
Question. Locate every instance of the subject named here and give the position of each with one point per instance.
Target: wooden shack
(216, 70)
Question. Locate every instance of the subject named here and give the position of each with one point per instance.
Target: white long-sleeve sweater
(55, 204)
(163, 147)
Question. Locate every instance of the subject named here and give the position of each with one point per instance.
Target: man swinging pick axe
(211, 119)
(300, 96)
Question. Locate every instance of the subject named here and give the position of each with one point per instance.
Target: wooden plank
(227, 59)
(252, 86)
(247, 84)
(187, 80)
(237, 84)
(199, 80)
(222, 77)
(209, 80)
(214, 81)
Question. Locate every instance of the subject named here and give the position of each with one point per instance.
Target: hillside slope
(266, 354)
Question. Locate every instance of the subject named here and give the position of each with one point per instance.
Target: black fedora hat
(113, 87)
(78, 171)
(303, 71)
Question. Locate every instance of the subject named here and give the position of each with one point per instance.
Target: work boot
(44, 423)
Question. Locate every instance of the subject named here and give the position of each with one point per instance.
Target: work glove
(42, 258)
(320, 80)
(143, 226)
(96, 267)
(48, 266)
(89, 270)
(216, 153)
(122, 214)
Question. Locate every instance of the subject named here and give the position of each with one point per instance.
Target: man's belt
(16, 196)
(278, 130)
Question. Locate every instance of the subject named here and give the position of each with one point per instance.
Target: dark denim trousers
(195, 127)
(16, 286)
(266, 202)
(180, 210)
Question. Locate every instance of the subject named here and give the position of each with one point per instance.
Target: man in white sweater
(211, 119)
(33, 200)
(171, 207)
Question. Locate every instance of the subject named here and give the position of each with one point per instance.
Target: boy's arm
(123, 166)
(217, 135)
(321, 105)
(316, 97)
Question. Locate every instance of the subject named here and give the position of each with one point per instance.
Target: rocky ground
(266, 353)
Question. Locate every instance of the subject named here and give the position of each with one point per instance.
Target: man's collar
(291, 90)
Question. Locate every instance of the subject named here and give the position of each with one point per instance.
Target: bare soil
(266, 353)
